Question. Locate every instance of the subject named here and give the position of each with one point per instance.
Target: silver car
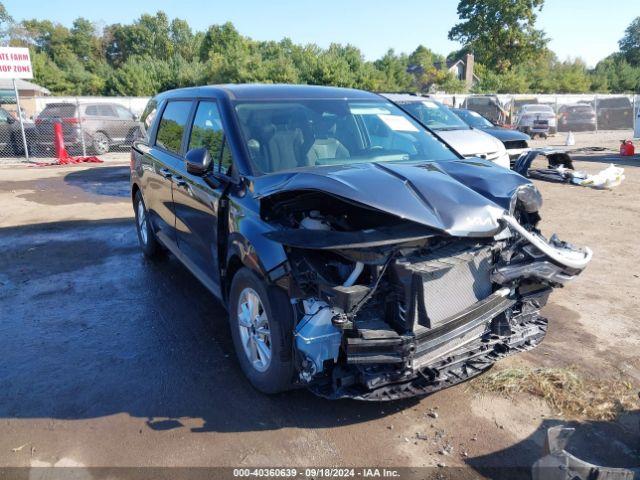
(103, 125)
(529, 113)
(467, 141)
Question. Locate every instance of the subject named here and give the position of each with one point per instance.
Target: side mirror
(10, 119)
(198, 161)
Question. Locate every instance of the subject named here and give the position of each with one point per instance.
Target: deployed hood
(460, 197)
(470, 142)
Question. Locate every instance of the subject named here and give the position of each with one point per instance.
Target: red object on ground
(627, 149)
(61, 152)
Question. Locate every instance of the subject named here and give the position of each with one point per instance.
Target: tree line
(156, 53)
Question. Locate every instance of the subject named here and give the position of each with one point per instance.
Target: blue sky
(589, 29)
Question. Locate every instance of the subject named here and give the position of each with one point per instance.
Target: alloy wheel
(254, 329)
(142, 222)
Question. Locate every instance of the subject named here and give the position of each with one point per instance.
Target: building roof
(7, 83)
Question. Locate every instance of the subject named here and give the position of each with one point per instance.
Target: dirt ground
(110, 360)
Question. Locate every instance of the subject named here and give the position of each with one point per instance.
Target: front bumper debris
(558, 464)
(392, 369)
(573, 258)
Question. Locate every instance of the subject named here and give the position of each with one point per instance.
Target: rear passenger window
(91, 110)
(172, 124)
(207, 132)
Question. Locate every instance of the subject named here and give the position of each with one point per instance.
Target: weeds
(564, 390)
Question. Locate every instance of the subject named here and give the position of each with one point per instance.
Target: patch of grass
(564, 390)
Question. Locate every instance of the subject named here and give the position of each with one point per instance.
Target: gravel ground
(109, 360)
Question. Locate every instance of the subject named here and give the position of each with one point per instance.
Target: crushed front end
(389, 309)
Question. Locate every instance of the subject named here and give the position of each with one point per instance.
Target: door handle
(179, 181)
(165, 172)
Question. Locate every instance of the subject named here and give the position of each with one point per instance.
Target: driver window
(207, 132)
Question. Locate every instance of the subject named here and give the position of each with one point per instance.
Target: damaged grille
(436, 287)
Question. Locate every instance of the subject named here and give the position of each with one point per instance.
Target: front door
(163, 163)
(196, 200)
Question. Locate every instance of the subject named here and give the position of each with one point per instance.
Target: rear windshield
(293, 134)
(580, 109)
(538, 108)
(59, 110)
(614, 102)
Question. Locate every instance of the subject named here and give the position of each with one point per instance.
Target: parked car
(11, 142)
(530, 113)
(515, 142)
(103, 125)
(356, 253)
(490, 107)
(515, 104)
(576, 117)
(614, 113)
(449, 127)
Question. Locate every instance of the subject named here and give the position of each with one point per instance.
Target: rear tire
(147, 238)
(100, 143)
(261, 322)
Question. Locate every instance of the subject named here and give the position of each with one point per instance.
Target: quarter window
(123, 113)
(172, 124)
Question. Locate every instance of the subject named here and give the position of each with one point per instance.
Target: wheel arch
(103, 132)
(135, 188)
(249, 248)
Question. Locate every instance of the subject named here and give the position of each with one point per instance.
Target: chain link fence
(565, 113)
(106, 126)
(102, 126)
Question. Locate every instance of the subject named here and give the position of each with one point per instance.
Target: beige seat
(326, 146)
(285, 149)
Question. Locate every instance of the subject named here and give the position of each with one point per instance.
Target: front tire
(261, 322)
(146, 237)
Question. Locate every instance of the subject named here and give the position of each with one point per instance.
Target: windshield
(293, 134)
(474, 119)
(435, 115)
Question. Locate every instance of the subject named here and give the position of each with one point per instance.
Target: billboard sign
(15, 62)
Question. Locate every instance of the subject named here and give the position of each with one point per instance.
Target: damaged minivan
(357, 254)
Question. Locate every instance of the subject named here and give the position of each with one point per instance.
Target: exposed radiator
(442, 284)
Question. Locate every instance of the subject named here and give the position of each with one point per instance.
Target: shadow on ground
(108, 181)
(606, 444)
(91, 328)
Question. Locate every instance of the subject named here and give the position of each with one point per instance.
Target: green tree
(84, 41)
(149, 35)
(393, 69)
(630, 43)
(571, 77)
(6, 22)
(614, 74)
(501, 33)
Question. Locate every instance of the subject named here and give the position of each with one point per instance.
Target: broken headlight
(528, 197)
